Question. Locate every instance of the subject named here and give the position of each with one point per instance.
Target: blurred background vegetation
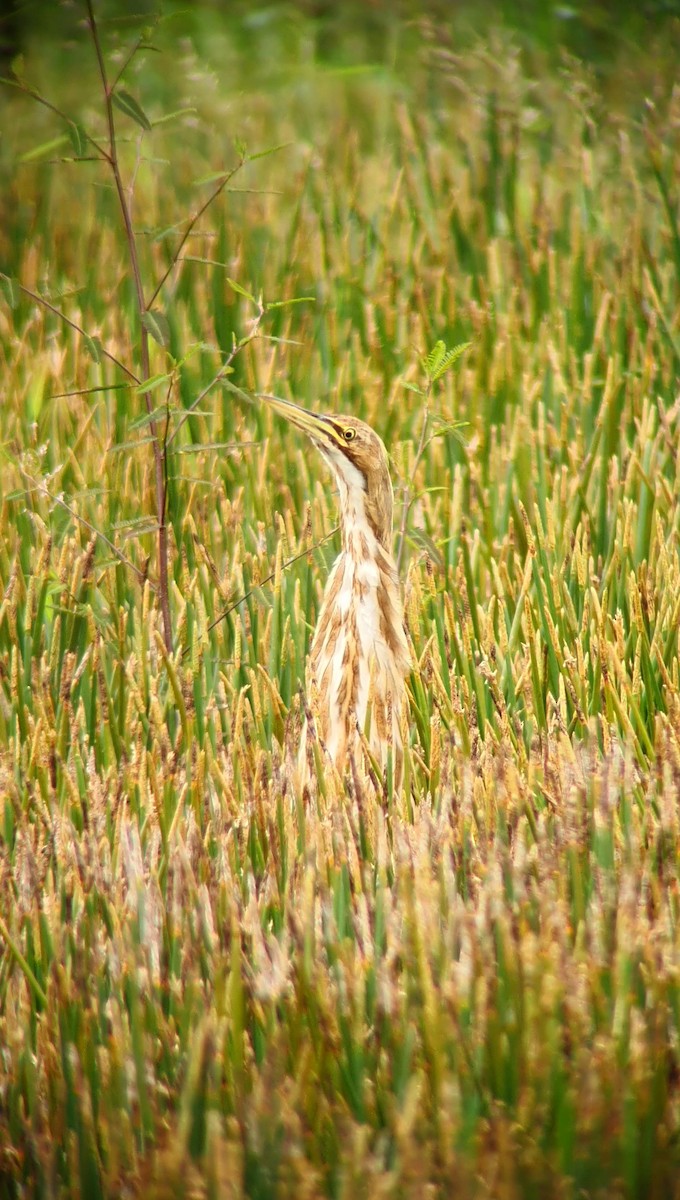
(277, 37)
(350, 29)
(206, 980)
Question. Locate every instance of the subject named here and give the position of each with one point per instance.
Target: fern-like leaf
(447, 359)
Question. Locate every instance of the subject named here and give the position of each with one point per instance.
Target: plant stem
(407, 493)
(160, 448)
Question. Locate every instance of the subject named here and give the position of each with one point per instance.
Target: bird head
(358, 459)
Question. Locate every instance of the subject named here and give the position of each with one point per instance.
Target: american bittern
(359, 653)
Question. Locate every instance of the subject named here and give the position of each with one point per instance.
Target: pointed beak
(320, 429)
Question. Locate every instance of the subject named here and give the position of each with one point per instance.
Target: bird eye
(350, 435)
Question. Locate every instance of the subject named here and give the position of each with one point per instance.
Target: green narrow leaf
(36, 394)
(265, 153)
(448, 360)
(287, 303)
(10, 290)
(236, 287)
(213, 177)
(158, 413)
(196, 1097)
(432, 360)
(153, 382)
(79, 139)
(141, 524)
(156, 323)
(14, 950)
(178, 112)
(93, 347)
(128, 105)
(43, 148)
(89, 391)
(158, 235)
(123, 447)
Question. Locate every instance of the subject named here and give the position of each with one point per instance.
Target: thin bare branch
(267, 579)
(221, 374)
(78, 328)
(193, 221)
(24, 87)
(134, 49)
(159, 450)
(39, 486)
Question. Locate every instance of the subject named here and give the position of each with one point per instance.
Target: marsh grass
(209, 984)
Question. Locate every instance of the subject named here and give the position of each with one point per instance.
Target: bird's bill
(319, 428)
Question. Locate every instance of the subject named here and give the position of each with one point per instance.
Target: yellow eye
(350, 435)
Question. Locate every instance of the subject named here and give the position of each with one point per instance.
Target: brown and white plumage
(359, 652)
